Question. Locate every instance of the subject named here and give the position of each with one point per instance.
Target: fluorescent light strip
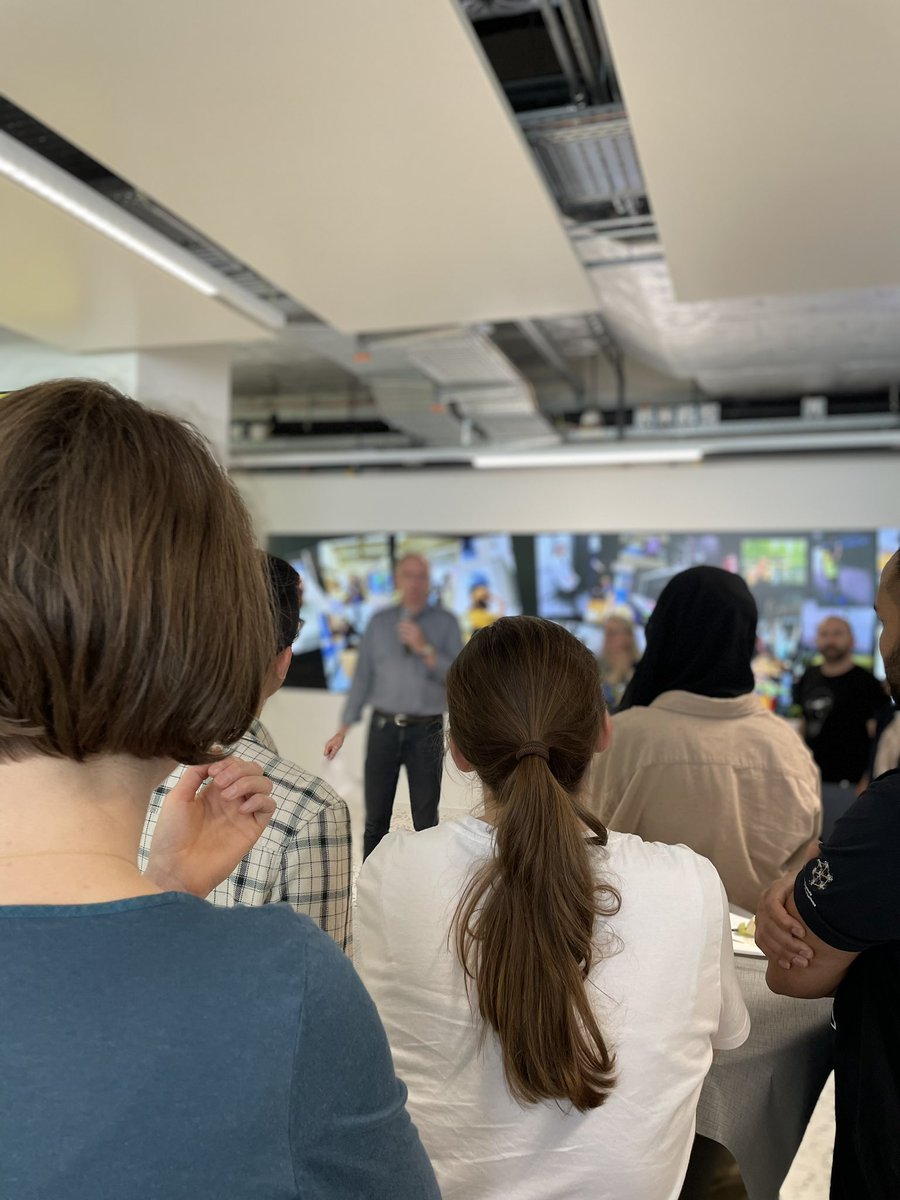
(41, 177)
(613, 457)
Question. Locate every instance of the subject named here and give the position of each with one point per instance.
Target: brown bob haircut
(134, 611)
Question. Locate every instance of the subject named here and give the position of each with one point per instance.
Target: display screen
(581, 579)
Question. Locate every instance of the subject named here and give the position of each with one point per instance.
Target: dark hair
(284, 585)
(525, 925)
(134, 616)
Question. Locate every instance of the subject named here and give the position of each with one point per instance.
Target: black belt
(401, 720)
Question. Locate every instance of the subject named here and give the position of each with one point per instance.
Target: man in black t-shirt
(835, 930)
(840, 702)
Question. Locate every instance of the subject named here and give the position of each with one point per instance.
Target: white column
(193, 384)
(23, 363)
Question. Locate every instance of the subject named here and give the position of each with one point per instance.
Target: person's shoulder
(381, 622)
(445, 616)
(405, 860)
(885, 790)
(302, 787)
(783, 739)
(257, 935)
(660, 877)
(630, 722)
(402, 845)
(383, 616)
(300, 796)
(872, 822)
(863, 678)
(628, 851)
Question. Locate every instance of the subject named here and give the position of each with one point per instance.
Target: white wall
(806, 493)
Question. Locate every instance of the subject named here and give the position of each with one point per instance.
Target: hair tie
(537, 748)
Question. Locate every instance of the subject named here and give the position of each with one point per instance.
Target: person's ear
(459, 758)
(604, 737)
(282, 663)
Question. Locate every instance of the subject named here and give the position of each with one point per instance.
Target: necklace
(70, 854)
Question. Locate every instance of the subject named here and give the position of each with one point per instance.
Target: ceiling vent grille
(589, 159)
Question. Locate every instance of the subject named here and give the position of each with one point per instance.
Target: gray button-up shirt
(394, 679)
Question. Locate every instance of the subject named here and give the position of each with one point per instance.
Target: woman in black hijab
(700, 638)
(694, 757)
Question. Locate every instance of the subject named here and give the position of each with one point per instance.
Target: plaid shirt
(302, 857)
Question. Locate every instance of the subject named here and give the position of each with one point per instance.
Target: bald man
(840, 703)
(403, 660)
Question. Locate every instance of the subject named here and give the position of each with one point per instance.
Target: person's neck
(70, 832)
(840, 667)
(617, 666)
(414, 610)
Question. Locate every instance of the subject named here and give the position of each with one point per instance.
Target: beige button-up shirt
(725, 777)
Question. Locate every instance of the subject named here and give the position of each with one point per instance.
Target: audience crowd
(538, 988)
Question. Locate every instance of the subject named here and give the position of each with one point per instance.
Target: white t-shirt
(665, 999)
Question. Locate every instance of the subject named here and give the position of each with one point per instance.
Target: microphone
(406, 615)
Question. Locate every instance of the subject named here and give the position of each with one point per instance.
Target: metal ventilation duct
(754, 346)
(447, 387)
(589, 159)
(476, 380)
(410, 404)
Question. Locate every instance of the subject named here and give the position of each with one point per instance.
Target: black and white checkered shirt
(302, 857)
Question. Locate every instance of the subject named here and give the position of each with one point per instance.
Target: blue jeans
(419, 748)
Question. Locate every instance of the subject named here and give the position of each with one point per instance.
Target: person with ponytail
(552, 993)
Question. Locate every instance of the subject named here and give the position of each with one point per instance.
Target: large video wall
(580, 579)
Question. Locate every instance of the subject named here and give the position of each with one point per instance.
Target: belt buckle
(400, 720)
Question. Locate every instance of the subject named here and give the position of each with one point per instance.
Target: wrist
(427, 651)
(168, 880)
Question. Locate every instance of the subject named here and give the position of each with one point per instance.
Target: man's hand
(779, 934)
(208, 822)
(334, 744)
(410, 634)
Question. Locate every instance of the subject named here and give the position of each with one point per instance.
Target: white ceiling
(358, 154)
(67, 285)
(768, 137)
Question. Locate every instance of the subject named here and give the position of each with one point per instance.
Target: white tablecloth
(757, 1100)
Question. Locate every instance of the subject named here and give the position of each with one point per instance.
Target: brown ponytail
(524, 928)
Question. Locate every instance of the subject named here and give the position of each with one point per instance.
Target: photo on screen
(574, 576)
(775, 561)
(345, 580)
(841, 568)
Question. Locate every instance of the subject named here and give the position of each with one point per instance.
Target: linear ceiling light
(613, 457)
(44, 179)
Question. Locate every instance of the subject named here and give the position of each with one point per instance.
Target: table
(757, 1100)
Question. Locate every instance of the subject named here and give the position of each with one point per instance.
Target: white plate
(740, 944)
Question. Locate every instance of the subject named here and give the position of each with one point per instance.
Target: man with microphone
(403, 660)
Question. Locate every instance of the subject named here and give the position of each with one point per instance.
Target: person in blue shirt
(153, 1045)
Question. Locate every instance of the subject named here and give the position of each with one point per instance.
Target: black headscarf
(700, 638)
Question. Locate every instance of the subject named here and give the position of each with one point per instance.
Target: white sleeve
(734, 1020)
